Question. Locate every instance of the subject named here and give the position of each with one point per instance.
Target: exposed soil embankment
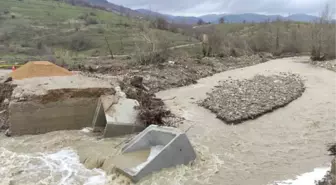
(235, 101)
(6, 90)
(63, 94)
(172, 74)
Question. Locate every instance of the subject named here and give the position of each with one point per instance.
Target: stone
(6, 101)
(8, 133)
(120, 93)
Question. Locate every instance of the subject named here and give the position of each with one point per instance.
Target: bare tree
(108, 46)
(200, 22)
(221, 20)
(154, 49)
(323, 38)
(212, 42)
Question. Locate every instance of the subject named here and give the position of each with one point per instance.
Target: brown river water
(277, 146)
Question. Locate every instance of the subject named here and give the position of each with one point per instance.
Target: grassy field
(34, 28)
(278, 38)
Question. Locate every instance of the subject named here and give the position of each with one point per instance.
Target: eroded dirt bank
(276, 146)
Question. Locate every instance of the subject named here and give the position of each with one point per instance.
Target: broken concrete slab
(117, 117)
(35, 118)
(40, 105)
(73, 85)
(163, 147)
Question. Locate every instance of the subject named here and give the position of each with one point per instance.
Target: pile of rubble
(151, 110)
(235, 101)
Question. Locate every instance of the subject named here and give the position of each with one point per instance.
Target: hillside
(105, 5)
(57, 29)
(230, 18)
(212, 18)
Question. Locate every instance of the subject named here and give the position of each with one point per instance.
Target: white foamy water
(306, 178)
(60, 168)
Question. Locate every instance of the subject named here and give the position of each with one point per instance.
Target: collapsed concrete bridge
(47, 98)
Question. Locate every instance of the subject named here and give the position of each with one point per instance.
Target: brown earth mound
(39, 69)
(235, 101)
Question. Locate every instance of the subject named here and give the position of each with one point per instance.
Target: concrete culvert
(154, 149)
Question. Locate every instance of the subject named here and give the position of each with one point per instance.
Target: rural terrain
(256, 99)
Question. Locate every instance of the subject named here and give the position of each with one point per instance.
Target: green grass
(27, 24)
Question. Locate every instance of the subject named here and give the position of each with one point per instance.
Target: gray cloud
(200, 7)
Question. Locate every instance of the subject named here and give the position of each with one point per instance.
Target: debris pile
(152, 109)
(235, 101)
(158, 77)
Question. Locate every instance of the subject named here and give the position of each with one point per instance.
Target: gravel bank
(235, 101)
(276, 146)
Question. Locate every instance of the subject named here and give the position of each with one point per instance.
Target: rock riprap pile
(235, 101)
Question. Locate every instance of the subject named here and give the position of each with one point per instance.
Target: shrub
(261, 42)
(80, 43)
(93, 14)
(25, 44)
(91, 20)
(100, 30)
(39, 45)
(83, 16)
(155, 57)
(161, 23)
(214, 43)
(4, 37)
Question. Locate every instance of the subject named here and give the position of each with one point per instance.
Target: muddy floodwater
(277, 146)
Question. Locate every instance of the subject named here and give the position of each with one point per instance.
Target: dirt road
(277, 146)
(125, 56)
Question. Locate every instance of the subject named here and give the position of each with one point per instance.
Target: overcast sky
(201, 7)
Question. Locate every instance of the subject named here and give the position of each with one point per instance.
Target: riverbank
(277, 146)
